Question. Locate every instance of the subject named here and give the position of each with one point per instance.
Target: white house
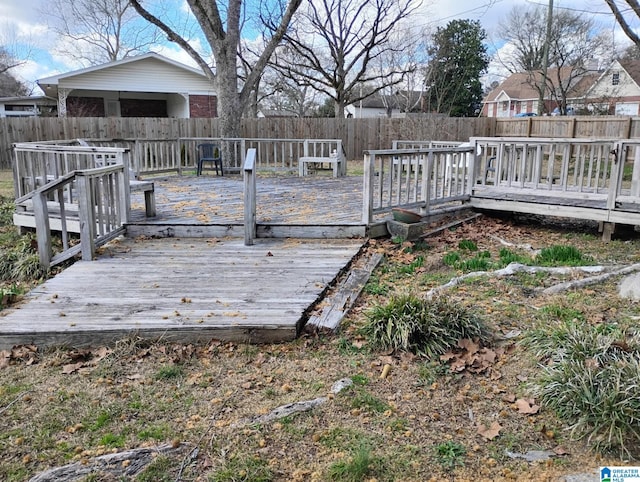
(617, 91)
(27, 106)
(147, 85)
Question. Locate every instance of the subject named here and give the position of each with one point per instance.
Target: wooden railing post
(367, 188)
(87, 216)
(250, 198)
(43, 231)
(124, 189)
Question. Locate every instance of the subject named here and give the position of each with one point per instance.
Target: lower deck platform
(180, 290)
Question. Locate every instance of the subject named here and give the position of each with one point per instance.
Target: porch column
(62, 102)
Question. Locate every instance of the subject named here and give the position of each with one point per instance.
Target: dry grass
(6, 183)
(62, 406)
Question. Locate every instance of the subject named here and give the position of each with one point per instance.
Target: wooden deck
(311, 207)
(180, 290)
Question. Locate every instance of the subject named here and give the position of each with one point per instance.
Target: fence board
(358, 135)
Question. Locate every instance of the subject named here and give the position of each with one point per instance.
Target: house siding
(147, 75)
(203, 106)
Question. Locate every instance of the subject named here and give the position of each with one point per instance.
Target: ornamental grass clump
(592, 382)
(426, 328)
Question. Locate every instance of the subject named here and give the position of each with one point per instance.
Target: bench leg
(150, 203)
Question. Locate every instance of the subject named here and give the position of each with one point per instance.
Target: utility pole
(545, 58)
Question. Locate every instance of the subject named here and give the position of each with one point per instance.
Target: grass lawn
(456, 418)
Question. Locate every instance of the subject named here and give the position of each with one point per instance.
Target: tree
(98, 31)
(338, 40)
(223, 33)
(458, 59)
(9, 85)
(625, 15)
(575, 43)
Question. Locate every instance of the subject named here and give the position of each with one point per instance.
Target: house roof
(33, 99)
(520, 86)
(55, 79)
(395, 101)
(150, 69)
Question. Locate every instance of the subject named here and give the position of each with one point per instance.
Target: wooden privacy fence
(357, 135)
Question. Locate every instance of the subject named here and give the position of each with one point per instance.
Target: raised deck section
(180, 290)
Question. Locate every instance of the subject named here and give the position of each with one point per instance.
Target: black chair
(209, 153)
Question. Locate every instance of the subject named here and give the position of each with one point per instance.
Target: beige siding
(604, 87)
(147, 75)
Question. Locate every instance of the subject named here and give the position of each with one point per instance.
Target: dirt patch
(423, 421)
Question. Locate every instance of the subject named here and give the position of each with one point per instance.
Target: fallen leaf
(5, 358)
(490, 432)
(560, 450)
(527, 406)
(72, 368)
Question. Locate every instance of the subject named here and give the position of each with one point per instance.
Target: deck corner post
(367, 188)
(86, 215)
(249, 175)
(125, 189)
(43, 231)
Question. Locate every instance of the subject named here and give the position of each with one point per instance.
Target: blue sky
(21, 23)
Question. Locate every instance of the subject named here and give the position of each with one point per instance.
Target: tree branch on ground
(515, 268)
(121, 464)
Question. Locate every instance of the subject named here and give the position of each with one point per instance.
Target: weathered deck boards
(311, 207)
(180, 290)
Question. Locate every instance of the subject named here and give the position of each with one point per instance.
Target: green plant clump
(450, 454)
(592, 384)
(356, 468)
(559, 255)
(425, 327)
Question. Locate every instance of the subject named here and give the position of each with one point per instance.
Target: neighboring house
(518, 95)
(148, 85)
(617, 90)
(27, 106)
(379, 105)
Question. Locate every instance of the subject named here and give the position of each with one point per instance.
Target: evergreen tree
(458, 57)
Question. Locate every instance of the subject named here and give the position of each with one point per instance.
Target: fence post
(249, 198)
(86, 215)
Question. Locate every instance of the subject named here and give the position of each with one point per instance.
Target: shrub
(592, 383)
(425, 327)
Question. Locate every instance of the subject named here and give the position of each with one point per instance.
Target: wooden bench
(148, 189)
(337, 163)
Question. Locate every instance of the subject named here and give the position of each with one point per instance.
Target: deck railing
(562, 167)
(152, 156)
(415, 178)
(271, 154)
(71, 188)
(97, 200)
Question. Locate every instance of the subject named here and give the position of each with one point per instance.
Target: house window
(615, 78)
